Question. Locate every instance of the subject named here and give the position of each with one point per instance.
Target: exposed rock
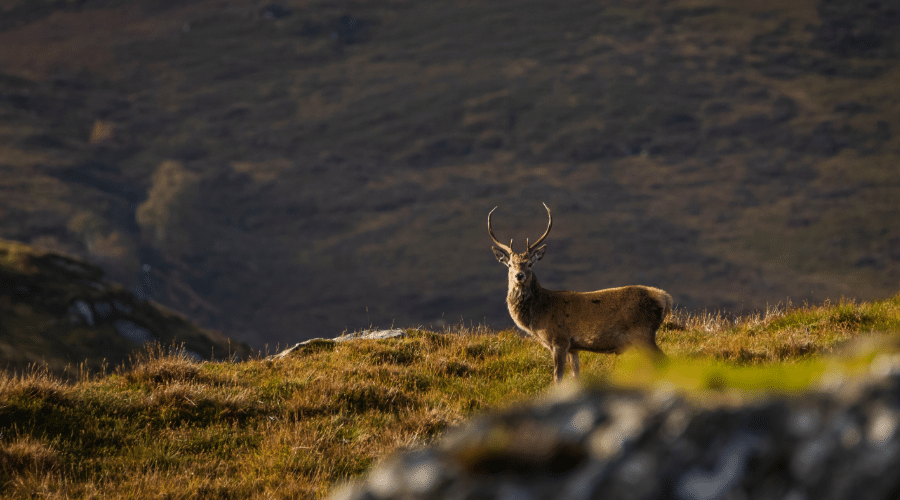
(372, 334)
(297, 348)
(131, 331)
(320, 342)
(84, 310)
(836, 442)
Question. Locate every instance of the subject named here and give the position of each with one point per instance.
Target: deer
(565, 322)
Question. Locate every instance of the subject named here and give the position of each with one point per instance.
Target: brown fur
(566, 322)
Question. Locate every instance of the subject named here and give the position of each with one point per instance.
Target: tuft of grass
(27, 457)
(172, 427)
(158, 365)
(35, 385)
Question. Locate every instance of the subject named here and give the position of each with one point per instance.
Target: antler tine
(549, 225)
(507, 249)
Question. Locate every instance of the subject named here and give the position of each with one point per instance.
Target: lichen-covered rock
(327, 343)
(834, 443)
(372, 335)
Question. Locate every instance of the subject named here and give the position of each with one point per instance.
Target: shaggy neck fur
(521, 301)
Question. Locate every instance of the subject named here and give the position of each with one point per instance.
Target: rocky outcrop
(840, 441)
(61, 312)
(320, 342)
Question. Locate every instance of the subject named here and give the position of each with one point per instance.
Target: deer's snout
(520, 276)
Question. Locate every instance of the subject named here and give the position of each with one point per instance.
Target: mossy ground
(170, 427)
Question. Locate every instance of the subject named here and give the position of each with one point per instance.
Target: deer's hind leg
(656, 352)
(647, 341)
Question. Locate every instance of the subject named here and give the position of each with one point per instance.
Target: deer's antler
(538, 242)
(507, 249)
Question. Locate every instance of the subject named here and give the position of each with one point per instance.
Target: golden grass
(172, 427)
(783, 333)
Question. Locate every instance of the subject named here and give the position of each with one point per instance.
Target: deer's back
(607, 316)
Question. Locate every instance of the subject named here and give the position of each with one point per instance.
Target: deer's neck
(522, 301)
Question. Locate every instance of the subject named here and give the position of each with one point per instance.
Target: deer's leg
(559, 361)
(573, 363)
(649, 344)
(656, 352)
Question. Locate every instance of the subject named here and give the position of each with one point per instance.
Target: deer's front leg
(573, 363)
(560, 353)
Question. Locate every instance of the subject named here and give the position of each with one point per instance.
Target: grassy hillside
(62, 314)
(171, 427)
(291, 170)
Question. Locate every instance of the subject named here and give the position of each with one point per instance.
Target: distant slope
(294, 169)
(57, 311)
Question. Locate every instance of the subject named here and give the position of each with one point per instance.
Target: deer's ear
(501, 256)
(537, 254)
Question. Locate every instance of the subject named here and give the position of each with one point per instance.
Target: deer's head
(520, 264)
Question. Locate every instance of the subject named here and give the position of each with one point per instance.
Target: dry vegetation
(782, 333)
(170, 427)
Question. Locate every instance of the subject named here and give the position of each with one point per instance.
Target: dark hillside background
(280, 171)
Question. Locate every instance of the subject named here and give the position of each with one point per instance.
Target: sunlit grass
(783, 333)
(171, 427)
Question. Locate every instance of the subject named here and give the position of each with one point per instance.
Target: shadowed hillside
(60, 314)
(291, 170)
